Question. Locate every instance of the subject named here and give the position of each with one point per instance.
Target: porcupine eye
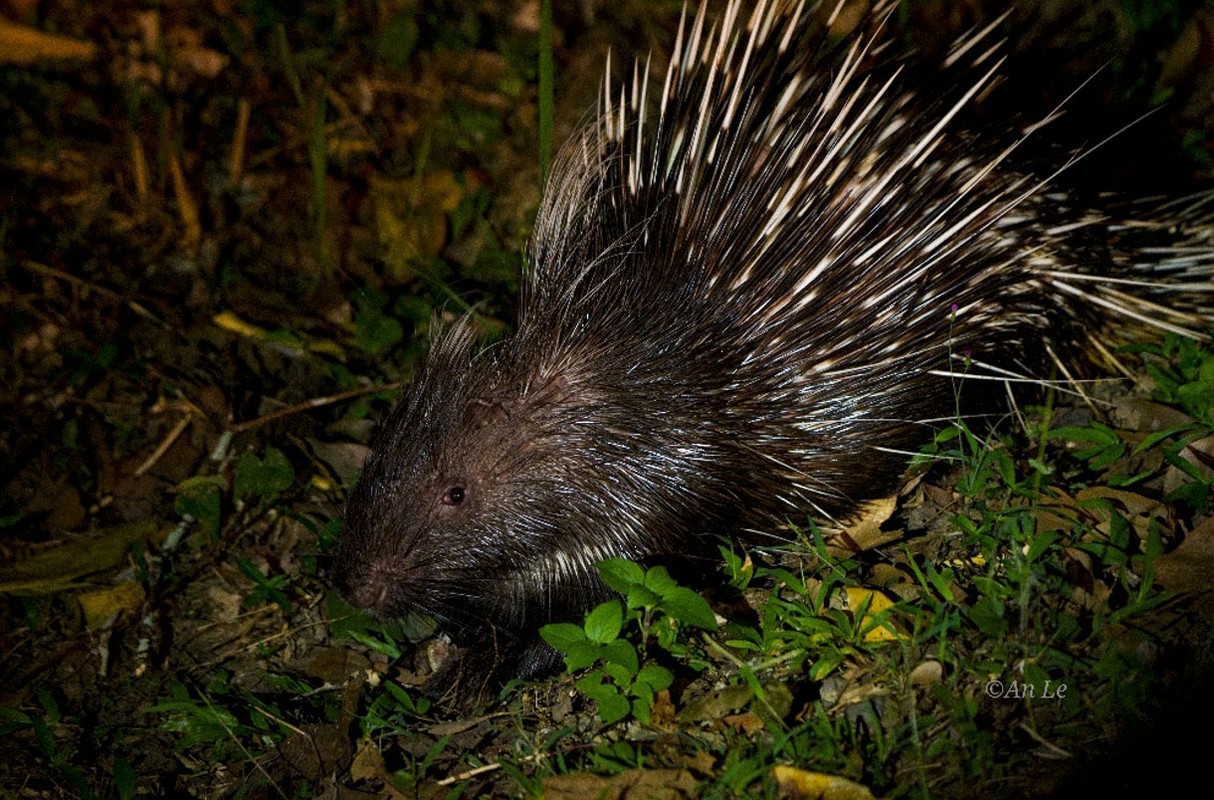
(453, 496)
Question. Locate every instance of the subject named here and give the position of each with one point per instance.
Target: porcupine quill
(741, 310)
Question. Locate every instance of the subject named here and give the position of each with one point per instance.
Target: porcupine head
(499, 481)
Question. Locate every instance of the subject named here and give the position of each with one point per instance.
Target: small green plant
(229, 720)
(257, 483)
(1183, 372)
(263, 478)
(392, 710)
(659, 608)
(266, 588)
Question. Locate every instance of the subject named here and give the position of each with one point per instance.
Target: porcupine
(742, 309)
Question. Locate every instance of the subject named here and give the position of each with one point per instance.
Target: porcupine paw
(474, 671)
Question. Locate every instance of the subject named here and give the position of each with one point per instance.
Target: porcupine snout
(367, 588)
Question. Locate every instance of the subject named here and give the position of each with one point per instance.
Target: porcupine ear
(552, 390)
(452, 347)
(487, 411)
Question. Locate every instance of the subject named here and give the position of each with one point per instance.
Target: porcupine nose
(365, 588)
(366, 595)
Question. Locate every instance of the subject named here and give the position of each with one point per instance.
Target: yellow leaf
(800, 784)
(877, 602)
(234, 324)
(101, 605)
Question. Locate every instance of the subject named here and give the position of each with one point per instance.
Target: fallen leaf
(22, 45)
(747, 723)
(717, 704)
(1189, 569)
(636, 784)
(864, 531)
(799, 784)
(855, 597)
(927, 673)
(57, 569)
(102, 605)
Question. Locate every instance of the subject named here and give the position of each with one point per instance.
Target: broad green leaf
(562, 635)
(264, 477)
(199, 498)
(654, 677)
(658, 580)
(582, 654)
(620, 574)
(687, 606)
(614, 708)
(623, 653)
(640, 597)
(604, 622)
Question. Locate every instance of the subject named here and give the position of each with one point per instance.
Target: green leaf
(642, 706)
(623, 653)
(689, 607)
(376, 332)
(826, 664)
(384, 647)
(562, 635)
(614, 708)
(622, 675)
(12, 720)
(604, 622)
(654, 677)
(1040, 543)
(621, 574)
(640, 597)
(263, 477)
(405, 702)
(124, 778)
(987, 615)
(198, 498)
(581, 655)
(658, 580)
(593, 687)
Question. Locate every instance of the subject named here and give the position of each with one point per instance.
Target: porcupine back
(741, 309)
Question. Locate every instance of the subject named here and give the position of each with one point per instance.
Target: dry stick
(167, 442)
(80, 283)
(236, 156)
(139, 172)
(187, 209)
(472, 773)
(315, 402)
(42, 269)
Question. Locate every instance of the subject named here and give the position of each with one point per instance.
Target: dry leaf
(854, 597)
(1189, 569)
(800, 784)
(636, 784)
(22, 45)
(717, 704)
(927, 673)
(103, 605)
(865, 530)
(747, 723)
(56, 569)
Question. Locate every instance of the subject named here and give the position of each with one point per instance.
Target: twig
(190, 412)
(80, 283)
(315, 402)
